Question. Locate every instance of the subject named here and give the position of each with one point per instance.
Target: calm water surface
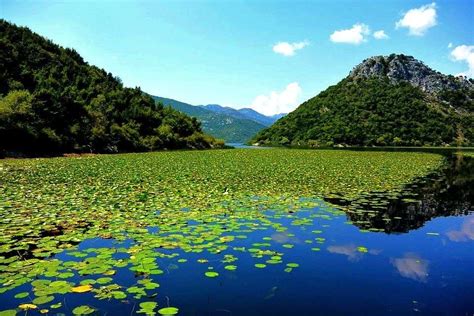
(402, 256)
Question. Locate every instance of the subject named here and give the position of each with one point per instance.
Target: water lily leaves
(362, 249)
(58, 305)
(58, 283)
(148, 305)
(82, 288)
(119, 295)
(40, 283)
(22, 295)
(149, 284)
(147, 308)
(138, 291)
(226, 239)
(168, 311)
(156, 271)
(147, 261)
(104, 280)
(133, 204)
(65, 275)
(83, 310)
(43, 300)
(10, 312)
(320, 240)
(292, 265)
(88, 281)
(110, 272)
(211, 274)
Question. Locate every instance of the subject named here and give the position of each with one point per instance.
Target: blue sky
(270, 55)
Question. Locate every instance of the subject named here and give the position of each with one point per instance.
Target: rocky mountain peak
(399, 68)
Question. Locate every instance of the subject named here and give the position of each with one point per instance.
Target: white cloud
(354, 35)
(289, 49)
(278, 102)
(464, 53)
(450, 45)
(380, 35)
(419, 20)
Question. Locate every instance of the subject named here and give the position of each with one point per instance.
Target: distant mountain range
(232, 125)
(245, 113)
(392, 100)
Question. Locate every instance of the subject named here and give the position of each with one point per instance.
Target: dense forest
(376, 112)
(52, 101)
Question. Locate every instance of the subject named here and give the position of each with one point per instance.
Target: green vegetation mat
(112, 193)
(51, 204)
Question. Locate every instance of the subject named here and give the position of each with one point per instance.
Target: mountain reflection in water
(446, 192)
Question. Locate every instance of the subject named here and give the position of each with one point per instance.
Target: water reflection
(348, 250)
(412, 266)
(352, 252)
(448, 192)
(465, 233)
(283, 238)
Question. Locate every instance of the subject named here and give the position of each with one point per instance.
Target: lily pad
(211, 274)
(83, 310)
(43, 300)
(230, 267)
(22, 295)
(168, 311)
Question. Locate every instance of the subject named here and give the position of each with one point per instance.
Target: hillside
(386, 100)
(222, 124)
(245, 113)
(52, 101)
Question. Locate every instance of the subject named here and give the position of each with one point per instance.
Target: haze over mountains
(232, 125)
(385, 100)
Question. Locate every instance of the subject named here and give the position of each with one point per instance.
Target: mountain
(218, 121)
(245, 113)
(385, 100)
(52, 101)
(263, 119)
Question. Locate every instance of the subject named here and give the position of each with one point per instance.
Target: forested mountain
(52, 101)
(386, 100)
(263, 119)
(245, 113)
(223, 124)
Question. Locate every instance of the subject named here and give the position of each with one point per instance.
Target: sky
(267, 55)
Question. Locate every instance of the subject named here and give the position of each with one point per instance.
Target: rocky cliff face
(399, 68)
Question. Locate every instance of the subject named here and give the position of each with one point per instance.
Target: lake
(239, 232)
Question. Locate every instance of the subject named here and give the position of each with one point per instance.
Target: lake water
(409, 255)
